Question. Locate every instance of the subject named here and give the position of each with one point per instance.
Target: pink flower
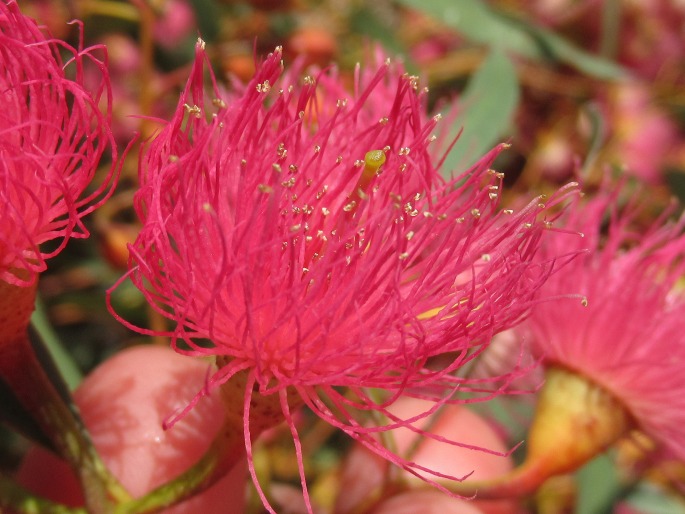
(629, 338)
(52, 136)
(303, 234)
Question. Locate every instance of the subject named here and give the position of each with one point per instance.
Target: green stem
(575, 420)
(110, 9)
(64, 361)
(227, 450)
(611, 26)
(596, 139)
(49, 401)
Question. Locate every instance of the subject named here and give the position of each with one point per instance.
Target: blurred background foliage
(578, 87)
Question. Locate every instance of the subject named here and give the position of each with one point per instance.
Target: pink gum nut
(364, 472)
(426, 502)
(124, 403)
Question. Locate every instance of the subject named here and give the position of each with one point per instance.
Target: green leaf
(596, 140)
(474, 20)
(365, 21)
(67, 368)
(675, 179)
(486, 110)
(208, 17)
(598, 486)
(480, 24)
(650, 500)
(564, 51)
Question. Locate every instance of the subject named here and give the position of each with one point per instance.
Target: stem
(519, 482)
(60, 420)
(611, 27)
(227, 449)
(68, 369)
(575, 420)
(596, 140)
(110, 9)
(221, 457)
(35, 382)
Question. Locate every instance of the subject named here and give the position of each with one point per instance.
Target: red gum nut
(123, 404)
(363, 472)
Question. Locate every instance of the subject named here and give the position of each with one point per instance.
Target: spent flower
(303, 235)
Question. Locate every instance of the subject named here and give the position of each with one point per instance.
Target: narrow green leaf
(208, 17)
(366, 21)
(598, 486)
(596, 139)
(474, 20)
(480, 24)
(675, 179)
(486, 111)
(66, 366)
(650, 500)
(564, 51)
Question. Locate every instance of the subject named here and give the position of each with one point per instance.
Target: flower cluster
(53, 135)
(304, 234)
